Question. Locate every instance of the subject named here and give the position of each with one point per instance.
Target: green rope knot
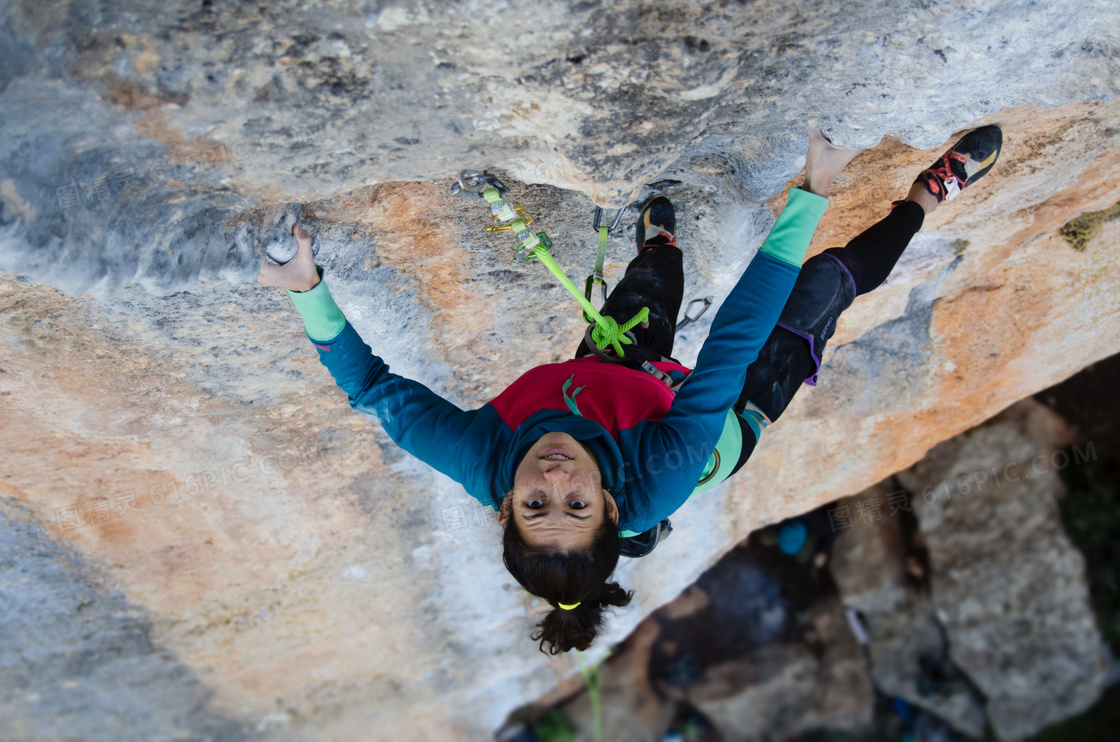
(609, 334)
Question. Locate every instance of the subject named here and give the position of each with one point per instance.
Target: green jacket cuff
(321, 316)
(793, 231)
(728, 449)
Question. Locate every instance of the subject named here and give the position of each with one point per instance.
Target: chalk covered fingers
(298, 274)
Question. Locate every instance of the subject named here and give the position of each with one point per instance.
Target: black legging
(825, 287)
(654, 279)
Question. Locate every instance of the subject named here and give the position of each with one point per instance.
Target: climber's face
(557, 496)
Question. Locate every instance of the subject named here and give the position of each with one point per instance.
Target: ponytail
(568, 578)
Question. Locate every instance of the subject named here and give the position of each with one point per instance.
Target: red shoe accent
(944, 177)
(661, 233)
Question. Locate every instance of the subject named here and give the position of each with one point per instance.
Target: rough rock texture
(80, 663)
(174, 433)
(761, 644)
(761, 660)
(781, 690)
(184, 115)
(869, 564)
(1007, 585)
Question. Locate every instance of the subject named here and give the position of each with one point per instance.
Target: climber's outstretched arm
(699, 413)
(452, 441)
(749, 313)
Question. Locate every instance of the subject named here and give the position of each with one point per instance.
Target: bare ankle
(920, 195)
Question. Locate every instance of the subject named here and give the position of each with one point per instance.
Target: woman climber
(583, 456)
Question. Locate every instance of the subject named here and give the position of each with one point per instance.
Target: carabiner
(519, 212)
(597, 222)
(477, 181)
(688, 318)
(592, 280)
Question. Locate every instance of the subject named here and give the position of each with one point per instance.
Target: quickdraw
(606, 333)
(689, 317)
(595, 278)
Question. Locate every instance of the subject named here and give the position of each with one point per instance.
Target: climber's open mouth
(558, 454)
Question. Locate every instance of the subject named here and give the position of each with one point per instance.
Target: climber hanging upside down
(584, 459)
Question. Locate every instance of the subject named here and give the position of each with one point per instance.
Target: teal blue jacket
(652, 446)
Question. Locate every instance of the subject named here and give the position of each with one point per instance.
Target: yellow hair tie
(569, 607)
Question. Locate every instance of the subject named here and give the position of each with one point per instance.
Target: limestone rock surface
(869, 565)
(782, 690)
(1007, 585)
(166, 424)
(757, 659)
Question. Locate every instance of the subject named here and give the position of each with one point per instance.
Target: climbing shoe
(965, 163)
(657, 224)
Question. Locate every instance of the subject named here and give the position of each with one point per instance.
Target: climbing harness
(606, 331)
(595, 278)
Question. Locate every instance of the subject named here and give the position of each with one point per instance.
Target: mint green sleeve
(793, 231)
(322, 318)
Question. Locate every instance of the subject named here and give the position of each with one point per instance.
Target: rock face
(171, 431)
(1007, 585)
(780, 691)
(80, 661)
(906, 643)
(758, 659)
(971, 604)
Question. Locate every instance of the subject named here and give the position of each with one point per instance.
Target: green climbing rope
(607, 333)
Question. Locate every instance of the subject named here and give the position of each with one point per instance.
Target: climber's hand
(299, 273)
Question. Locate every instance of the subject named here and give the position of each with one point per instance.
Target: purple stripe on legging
(855, 288)
(812, 380)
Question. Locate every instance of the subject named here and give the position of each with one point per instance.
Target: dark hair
(567, 577)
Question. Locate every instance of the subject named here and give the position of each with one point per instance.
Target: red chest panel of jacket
(612, 395)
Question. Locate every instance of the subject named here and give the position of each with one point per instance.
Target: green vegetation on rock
(1079, 230)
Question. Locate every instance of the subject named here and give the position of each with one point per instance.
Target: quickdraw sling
(606, 332)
